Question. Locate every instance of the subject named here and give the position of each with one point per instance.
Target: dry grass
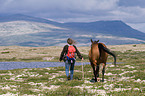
(52, 53)
(132, 47)
(18, 53)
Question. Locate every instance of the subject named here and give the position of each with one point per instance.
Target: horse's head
(94, 42)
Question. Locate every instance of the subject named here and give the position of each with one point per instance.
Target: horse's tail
(108, 51)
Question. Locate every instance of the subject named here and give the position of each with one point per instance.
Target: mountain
(23, 30)
(116, 28)
(17, 17)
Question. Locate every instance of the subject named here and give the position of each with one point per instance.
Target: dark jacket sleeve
(78, 53)
(63, 53)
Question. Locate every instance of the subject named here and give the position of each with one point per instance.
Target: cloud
(57, 6)
(78, 10)
(129, 14)
(132, 3)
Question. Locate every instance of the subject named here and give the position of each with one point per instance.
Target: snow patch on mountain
(25, 27)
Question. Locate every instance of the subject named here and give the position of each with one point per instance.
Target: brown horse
(98, 54)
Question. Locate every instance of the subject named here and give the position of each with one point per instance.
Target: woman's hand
(82, 59)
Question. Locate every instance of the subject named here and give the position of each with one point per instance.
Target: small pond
(20, 65)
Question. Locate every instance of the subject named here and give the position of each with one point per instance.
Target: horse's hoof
(92, 80)
(98, 79)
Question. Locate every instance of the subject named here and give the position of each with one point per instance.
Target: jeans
(69, 64)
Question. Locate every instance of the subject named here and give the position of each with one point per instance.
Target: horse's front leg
(97, 73)
(94, 72)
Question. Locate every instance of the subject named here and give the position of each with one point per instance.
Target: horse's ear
(91, 40)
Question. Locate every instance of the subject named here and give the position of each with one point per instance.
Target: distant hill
(25, 30)
(115, 28)
(17, 17)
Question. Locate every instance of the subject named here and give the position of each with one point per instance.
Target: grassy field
(127, 79)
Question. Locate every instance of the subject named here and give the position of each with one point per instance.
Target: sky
(131, 12)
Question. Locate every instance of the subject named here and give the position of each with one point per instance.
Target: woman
(68, 55)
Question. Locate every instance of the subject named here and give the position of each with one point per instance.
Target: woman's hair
(70, 41)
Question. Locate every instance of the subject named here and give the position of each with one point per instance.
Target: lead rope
(82, 70)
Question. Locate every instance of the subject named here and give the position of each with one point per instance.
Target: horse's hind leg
(103, 71)
(98, 70)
